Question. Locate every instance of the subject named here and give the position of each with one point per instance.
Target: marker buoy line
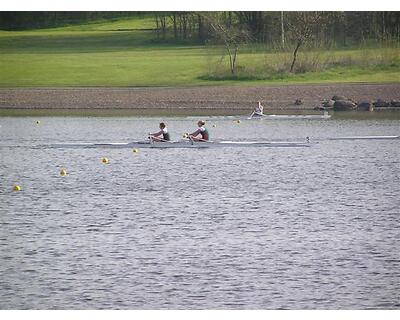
(135, 150)
(63, 173)
(105, 160)
(185, 135)
(17, 188)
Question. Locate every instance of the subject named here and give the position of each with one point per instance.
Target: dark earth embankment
(218, 97)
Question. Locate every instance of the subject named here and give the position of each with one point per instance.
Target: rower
(258, 110)
(200, 131)
(160, 136)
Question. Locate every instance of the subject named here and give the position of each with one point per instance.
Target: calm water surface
(218, 228)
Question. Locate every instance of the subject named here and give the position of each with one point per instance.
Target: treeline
(278, 28)
(272, 28)
(22, 20)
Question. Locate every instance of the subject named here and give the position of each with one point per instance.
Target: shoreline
(274, 97)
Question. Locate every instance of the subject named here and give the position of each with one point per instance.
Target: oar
(192, 141)
(202, 140)
(258, 115)
(189, 137)
(152, 139)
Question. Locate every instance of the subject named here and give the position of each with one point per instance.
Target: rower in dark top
(200, 131)
(162, 135)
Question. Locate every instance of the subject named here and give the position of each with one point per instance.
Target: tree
(282, 31)
(303, 27)
(232, 36)
(161, 24)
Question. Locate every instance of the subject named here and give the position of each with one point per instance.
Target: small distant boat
(366, 138)
(290, 116)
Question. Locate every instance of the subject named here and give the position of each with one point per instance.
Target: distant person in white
(258, 110)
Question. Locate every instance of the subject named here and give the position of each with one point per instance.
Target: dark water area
(218, 228)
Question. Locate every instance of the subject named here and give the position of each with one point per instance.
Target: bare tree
(229, 34)
(282, 32)
(161, 24)
(303, 26)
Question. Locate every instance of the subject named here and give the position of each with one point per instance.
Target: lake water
(218, 228)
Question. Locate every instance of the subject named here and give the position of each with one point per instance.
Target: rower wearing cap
(162, 135)
(200, 131)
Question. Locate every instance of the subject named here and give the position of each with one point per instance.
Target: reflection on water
(233, 228)
(120, 112)
(181, 112)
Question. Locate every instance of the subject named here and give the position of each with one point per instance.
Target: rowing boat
(291, 117)
(187, 144)
(366, 138)
(268, 117)
(211, 144)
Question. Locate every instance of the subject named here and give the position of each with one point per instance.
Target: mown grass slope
(126, 52)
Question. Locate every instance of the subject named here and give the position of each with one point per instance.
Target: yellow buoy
(38, 122)
(135, 150)
(105, 160)
(63, 172)
(185, 135)
(214, 125)
(17, 188)
(238, 121)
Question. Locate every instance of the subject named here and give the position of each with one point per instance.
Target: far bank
(204, 98)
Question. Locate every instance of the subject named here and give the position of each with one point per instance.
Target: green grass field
(125, 53)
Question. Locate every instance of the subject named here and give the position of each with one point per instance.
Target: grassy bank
(125, 53)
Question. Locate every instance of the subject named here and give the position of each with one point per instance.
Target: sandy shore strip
(218, 97)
